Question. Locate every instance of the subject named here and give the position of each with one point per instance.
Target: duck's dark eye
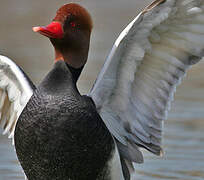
(73, 24)
(70, 22)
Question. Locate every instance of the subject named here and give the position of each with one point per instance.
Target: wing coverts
(134, 90)
(15, 91)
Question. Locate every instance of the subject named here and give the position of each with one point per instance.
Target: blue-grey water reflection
(183, 131)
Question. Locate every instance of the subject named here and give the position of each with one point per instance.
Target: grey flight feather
(15, 91)
(134, 89)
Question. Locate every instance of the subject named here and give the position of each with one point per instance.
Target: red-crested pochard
(60, 134)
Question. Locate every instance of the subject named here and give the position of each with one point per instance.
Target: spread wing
(15, 91)
(134, 89)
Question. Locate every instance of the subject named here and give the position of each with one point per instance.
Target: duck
(60, 134)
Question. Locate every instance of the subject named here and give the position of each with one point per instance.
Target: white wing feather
(15, 91)
(134, 90)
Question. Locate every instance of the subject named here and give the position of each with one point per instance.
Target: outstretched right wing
(134, 90)
(15, 91)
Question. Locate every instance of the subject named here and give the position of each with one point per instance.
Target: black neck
(75, 72)
(61, 77)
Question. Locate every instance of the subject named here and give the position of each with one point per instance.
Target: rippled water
(183, 131)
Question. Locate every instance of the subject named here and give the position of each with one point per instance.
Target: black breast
(59, 134)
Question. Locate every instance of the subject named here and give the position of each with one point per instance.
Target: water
(183, 131)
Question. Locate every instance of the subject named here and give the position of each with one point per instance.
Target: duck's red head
(69, 33)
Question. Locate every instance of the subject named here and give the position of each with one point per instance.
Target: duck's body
(67, 137)
(64, 136)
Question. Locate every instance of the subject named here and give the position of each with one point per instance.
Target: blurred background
(183, 131)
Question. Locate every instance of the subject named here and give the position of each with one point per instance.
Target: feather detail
(15, 91)
(134, 90)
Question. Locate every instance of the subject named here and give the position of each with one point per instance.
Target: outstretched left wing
(15, 91)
